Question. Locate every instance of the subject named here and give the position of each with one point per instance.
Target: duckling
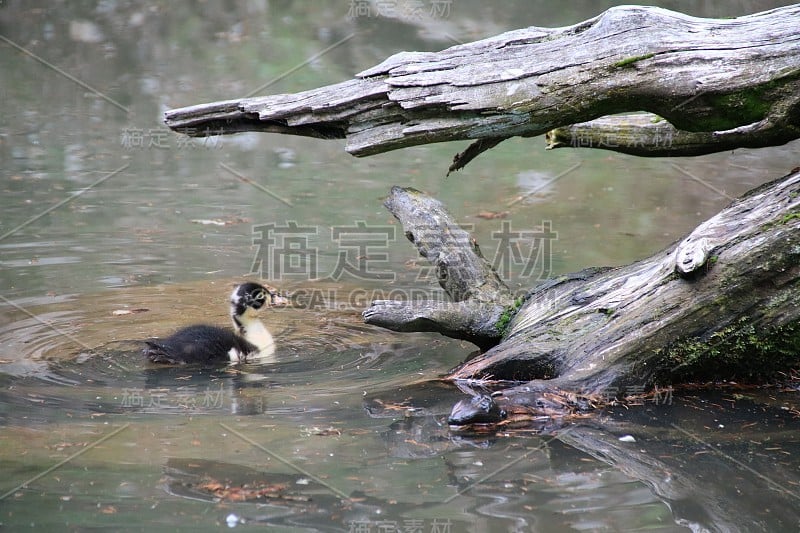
(211, 344)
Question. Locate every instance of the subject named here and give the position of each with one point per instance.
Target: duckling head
(249, 298)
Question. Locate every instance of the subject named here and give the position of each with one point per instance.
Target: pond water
(113, 230)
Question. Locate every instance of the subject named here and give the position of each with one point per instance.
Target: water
(113, 230)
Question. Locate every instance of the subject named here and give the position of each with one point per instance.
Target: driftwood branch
(722, 303)
(479, 297)
(461, 269)
(649, 135)
(721, 84)
(610, 328)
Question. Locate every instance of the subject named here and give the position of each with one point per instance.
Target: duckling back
(199, 344)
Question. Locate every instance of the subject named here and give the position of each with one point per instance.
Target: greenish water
(113, 229)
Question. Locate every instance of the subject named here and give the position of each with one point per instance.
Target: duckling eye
(254, 299)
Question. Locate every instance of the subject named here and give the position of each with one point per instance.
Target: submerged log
(720, 83)
(722, 303)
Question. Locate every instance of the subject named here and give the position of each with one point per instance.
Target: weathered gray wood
(724, 302)
(649, 135)
(733, 313)
(460, 267)
(604, 329)
(480, 297)
(470, 320)
(727, 83)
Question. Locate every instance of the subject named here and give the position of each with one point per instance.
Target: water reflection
(356, 406)
(363, 409)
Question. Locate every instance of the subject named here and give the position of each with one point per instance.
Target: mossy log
(722, 303)
(738, 269)
(720, 84)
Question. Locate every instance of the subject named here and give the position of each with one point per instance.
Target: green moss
(743, 107)
(509, 313)
(750, 104)
(627, 62)
(716, 112)
(741, 351)
(790, 217)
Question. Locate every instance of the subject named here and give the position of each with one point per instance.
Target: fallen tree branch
(743, 263)
(722, 303)
(734, 83)
(649, 135)
(471, 321)
(466, 276)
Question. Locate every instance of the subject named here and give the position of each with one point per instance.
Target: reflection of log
(734, 81)
(722, 462)
(739, 477)
(722, 303)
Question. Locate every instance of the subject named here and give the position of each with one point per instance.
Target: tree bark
(648, 135)
(629, 325)
(721, 84)
(722, 303)
(478, 294)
